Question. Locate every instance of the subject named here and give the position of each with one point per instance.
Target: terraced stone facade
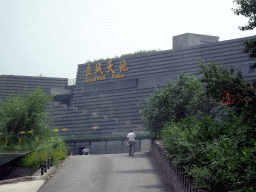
(13, 84)
(108, 105)
(103, 100)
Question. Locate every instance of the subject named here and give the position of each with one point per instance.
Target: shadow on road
(162, 186)
(136, 155)
(136, 171)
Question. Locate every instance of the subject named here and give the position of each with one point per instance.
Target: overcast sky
(51, 37)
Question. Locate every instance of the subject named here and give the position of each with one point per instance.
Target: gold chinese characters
(110, 67)
(123, 67)
(88, 71)
(98, 70)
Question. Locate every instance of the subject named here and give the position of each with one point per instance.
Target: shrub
(225, 84)
(23, 118)
(218, 155)
(173, 103)
(55, 149)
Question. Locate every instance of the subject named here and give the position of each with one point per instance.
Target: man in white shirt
(131, 140)
(86, 151)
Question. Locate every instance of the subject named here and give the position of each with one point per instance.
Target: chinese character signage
(99, 71)
(110, 67)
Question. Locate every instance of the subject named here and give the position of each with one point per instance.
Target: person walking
(131, 140)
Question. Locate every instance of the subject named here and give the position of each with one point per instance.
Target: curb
(36, 176)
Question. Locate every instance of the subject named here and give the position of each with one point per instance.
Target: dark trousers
(131, 148)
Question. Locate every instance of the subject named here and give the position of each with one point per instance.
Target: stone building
(104, 97)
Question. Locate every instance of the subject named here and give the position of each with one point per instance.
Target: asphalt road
(107, 173)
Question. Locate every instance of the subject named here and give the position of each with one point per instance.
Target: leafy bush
(218, 81)
(55, 149)
(173, 103)
(218, 155)
(23, 118)
(25, 126)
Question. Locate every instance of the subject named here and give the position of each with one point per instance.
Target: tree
(173, 103)
(218, 81)
(25, 113)
(247, 8)
(218, 155)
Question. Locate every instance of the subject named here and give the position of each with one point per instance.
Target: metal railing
(173, 172)
(106, 144)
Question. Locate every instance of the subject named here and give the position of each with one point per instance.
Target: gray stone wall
(15, 84)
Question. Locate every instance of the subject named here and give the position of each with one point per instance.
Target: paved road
(106, 173)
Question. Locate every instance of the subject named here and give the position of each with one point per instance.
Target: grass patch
(125, 55)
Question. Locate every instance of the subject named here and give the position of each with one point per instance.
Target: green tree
(25, 112)
(247, 8)
(173, 103)
(218, 155)
(225, 84)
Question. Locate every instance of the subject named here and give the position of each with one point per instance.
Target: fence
(108, 146)
(172, 172)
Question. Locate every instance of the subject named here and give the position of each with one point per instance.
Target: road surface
(107, 173)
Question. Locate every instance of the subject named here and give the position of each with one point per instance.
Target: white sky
(51, 37)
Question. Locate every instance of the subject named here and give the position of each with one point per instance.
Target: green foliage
(125, 55)
(173, 103)
(217, 76)
(250, 48)
(23, 120)
(24, 112)
(139, 52)
(40, 75)
(55, 149)
(247, 9)
(217, 155)
(217, 79)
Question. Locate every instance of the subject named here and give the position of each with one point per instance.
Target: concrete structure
(9, 156)
(187, 40)
(104, 99)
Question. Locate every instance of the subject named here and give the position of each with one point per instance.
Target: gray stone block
(186, 40)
